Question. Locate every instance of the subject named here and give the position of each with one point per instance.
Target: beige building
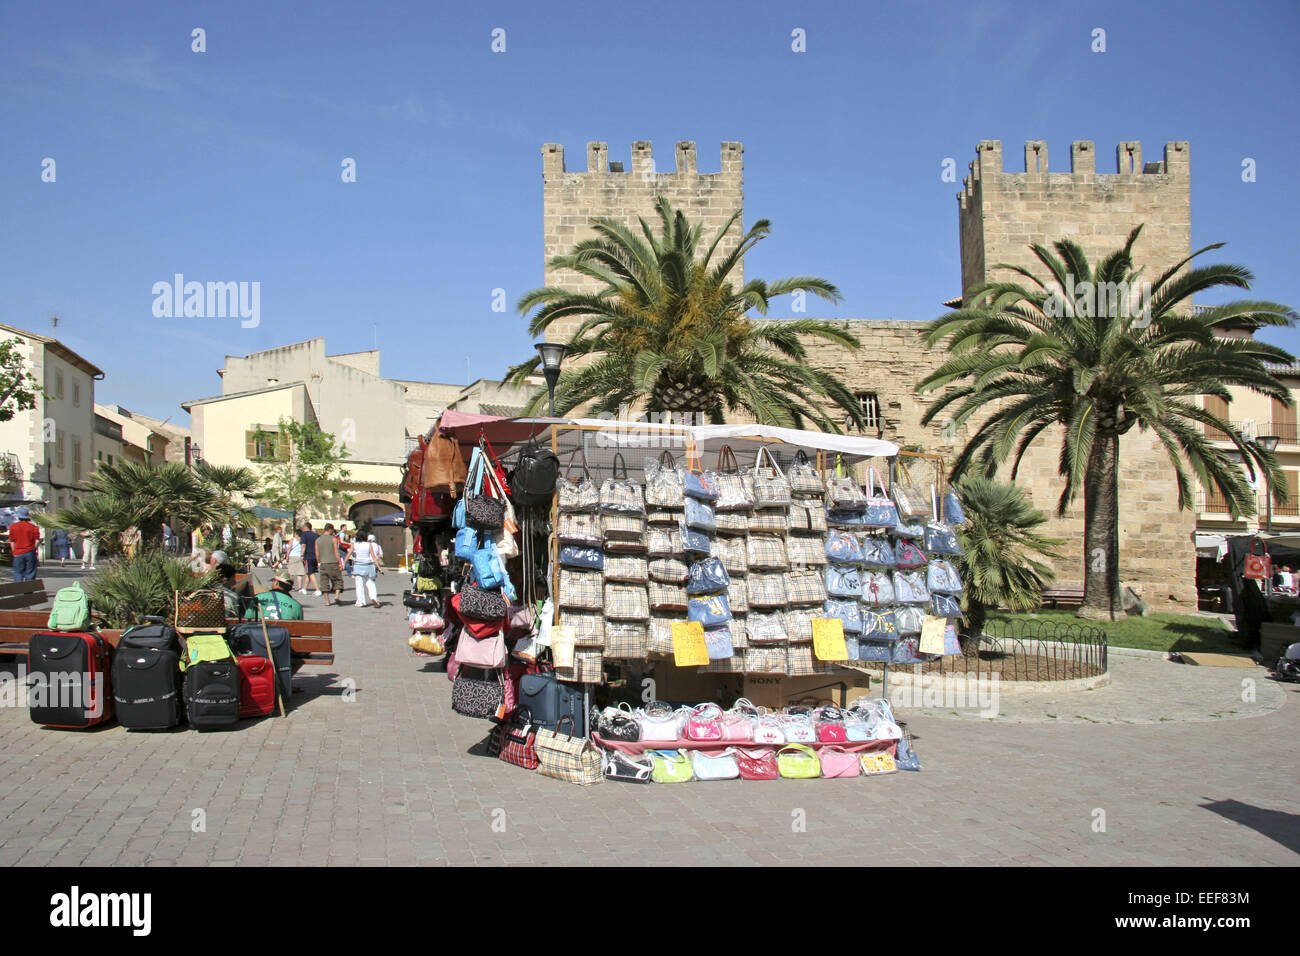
(141, 441)
(48, 451)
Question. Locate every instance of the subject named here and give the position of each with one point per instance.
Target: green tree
(1098, 363)
(306, 472)
(18, 386)
(1002, 550)
(669, 329)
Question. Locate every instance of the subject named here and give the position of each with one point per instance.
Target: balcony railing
(1288, 432)
(1216, 504)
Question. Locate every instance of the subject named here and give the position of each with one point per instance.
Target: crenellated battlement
(642, 164)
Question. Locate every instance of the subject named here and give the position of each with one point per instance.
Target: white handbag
(720, 767)
(769, 730)
(799, 729)
(660, 728)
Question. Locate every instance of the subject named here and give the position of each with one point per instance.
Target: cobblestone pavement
(388, 774)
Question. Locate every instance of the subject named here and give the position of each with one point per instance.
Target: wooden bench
(310, 641)
(17, 594)
(1060, 596)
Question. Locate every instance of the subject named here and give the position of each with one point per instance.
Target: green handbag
(670, 767)
(798, 762)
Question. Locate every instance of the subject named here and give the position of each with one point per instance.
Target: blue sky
(225, 165)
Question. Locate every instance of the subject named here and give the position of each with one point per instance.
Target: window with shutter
(1292, 506)
(1218, 407)
(1284, 423)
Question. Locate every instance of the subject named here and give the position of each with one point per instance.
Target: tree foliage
(18, 386)
(309, 473)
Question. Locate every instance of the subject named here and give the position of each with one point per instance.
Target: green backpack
(71, 611)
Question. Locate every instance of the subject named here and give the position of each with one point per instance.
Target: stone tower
(572, 199)
(1001, 213)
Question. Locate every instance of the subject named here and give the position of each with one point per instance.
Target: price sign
(828, 639)
(689, 648)
(932, 629)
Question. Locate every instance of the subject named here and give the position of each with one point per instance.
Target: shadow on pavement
(1277, 825)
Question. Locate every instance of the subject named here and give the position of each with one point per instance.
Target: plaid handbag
(805, 550)
(807, 516)
(769, 520)
(805, 480)
(581, 529)
(798, 624)
(588, 668)
(659, 641)
(669, 570)
(568, 757)
(739, 629)
(767, 590)
(663, 542)
(733, 523)
(738, 596)
(620, 496)
(588, 629)
(579, 496)
(800, 661)
(623, 529)
(764, 630)
(877, 587)
(805, 586)
(766, 660)
(580, 589)
(771, 486)
(731, 552)
(843, 494)
(911, 499)
(735, 490)
(517, 740)
(626, 569)
(735, 664)
(625, 642)
(663, 483)
(909, 587)
(663, 516)
(667, 597)
(766, 552)
(627, 602)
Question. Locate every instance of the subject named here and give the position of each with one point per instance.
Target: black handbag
(629, 769)
(533, 480)
(481, 604)
(485, 513)
(619, 726)
(477, 696)
(417, 601)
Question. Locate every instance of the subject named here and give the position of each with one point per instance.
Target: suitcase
(147, 687)
(547, 699)
(212, 694)
(70, 679)
(256, 686)
(161, 637)
(246, 638)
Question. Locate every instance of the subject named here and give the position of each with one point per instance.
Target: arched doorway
(392, 539)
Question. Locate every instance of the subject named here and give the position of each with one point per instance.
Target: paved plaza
(373, 767)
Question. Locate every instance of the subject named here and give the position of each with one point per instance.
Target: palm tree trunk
(1101, 597)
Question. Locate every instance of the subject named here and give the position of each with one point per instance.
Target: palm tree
(669, 329)
(1074, 351)
(1001, 548)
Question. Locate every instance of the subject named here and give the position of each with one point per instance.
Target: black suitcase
(159, 637)
(246, 638)
(147, 687)
(212, 694)
(70, 679)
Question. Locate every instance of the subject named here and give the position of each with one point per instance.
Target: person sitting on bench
(277, 604)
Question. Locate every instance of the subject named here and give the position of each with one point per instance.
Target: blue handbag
(695, 542)
(878, 553)
(843, 547)
(851, 647)
(943, 577)
(881, 512)
(710, 611)
(874, 651)
(945, 605)
(574, 556)
(488, 569)
(700, 517)
(941, 539)
(466, 543)
(718, 642)
(908, 529)
(848, 612)
(952, 510)
(707, 577)
(843, 580)
(907, 651)
(702, 487)
(473, 486)
(879, 625)
(846, 519)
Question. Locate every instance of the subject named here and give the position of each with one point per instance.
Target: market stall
(648, 565)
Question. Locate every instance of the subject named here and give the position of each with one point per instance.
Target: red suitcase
(69, 682)
(256, 686)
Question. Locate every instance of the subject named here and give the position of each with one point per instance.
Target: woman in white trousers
(366, 558)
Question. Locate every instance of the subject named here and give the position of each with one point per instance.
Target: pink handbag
(736, 727)
(832, 733)
(488, 652)
(836, 762)
(704, 723)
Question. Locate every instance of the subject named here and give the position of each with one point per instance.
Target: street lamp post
(1268, 443)
(552, 356)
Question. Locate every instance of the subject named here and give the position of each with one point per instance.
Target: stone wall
(572, 199)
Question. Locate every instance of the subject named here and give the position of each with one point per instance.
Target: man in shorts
(329, 565)
(309, 538)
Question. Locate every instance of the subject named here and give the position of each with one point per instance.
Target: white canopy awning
(1211, 546)
(633, 434)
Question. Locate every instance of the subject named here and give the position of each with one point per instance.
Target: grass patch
(1158, 632)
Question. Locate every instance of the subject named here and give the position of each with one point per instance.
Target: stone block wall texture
(571, 199)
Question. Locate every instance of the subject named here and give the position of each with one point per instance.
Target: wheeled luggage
(212, 694)
(70, 679)
(159, 637)
(147, 687)
(247, 638)
(256, 686)
(548, 701)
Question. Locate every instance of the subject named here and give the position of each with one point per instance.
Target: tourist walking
(309, 558)
(89, 549)
(130, 541)
(61, 546)
(329, 566)
(277, 546)
(169, 538)
(366, 563)
(297, 568)
(24, 537)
